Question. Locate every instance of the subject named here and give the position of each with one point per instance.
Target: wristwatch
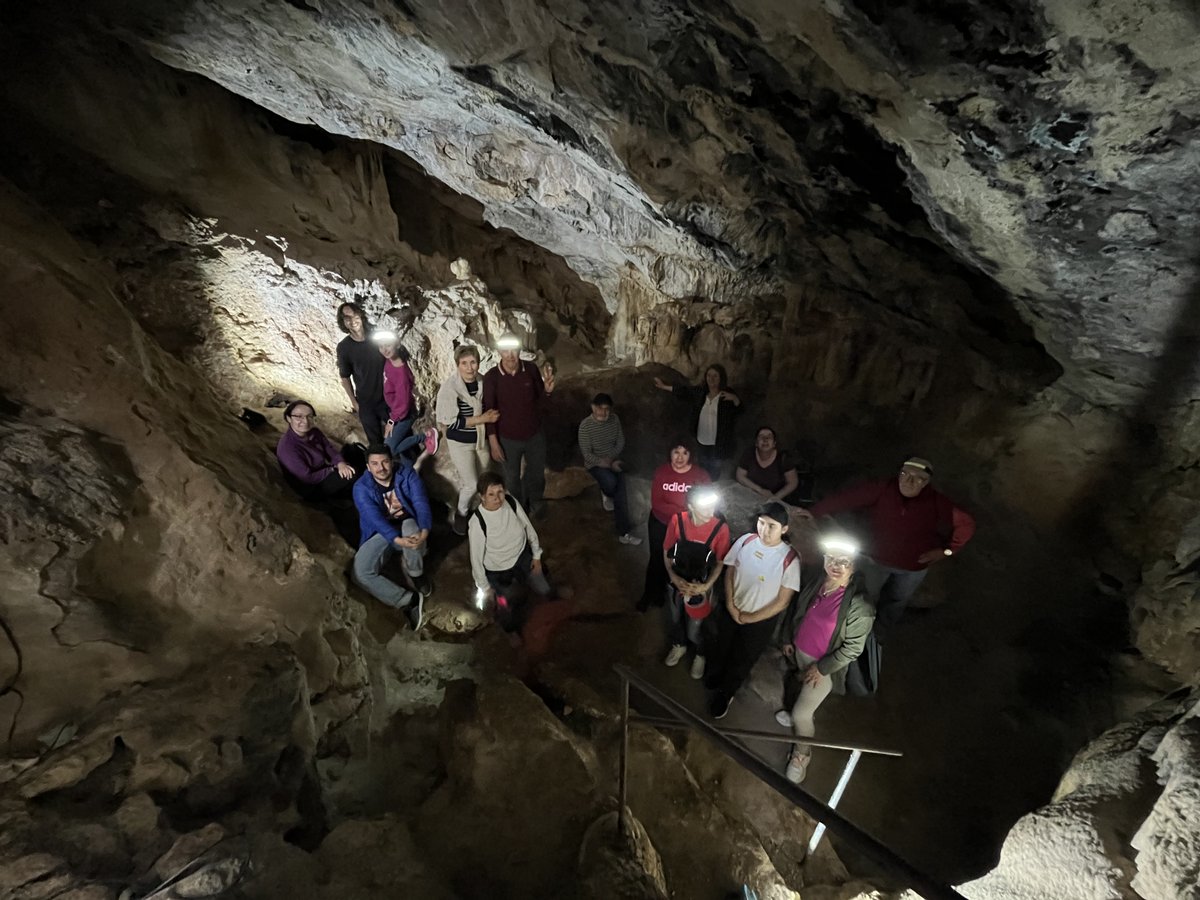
(948, 552)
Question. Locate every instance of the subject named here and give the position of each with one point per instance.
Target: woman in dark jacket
(714, 406)
(825, 630)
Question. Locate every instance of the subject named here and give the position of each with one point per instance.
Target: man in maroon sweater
(912, 526)
(517, 390)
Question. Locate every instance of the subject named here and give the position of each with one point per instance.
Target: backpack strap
(712, 535)
(791, 556)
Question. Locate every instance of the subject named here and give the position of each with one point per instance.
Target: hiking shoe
(431, 441)
(423, 585)
(676, 653)
(606, 502)
(797, 767)
(698, 668)
(460, 524)
(631, 539)
(784, 718)
(718, 705)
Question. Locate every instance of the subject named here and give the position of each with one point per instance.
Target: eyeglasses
(307, 418)
(842, 562)
(911, 476)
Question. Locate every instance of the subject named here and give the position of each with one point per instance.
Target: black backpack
(862, 675)
(691, 560)
(483, 524)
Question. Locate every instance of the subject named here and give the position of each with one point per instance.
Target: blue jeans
(890, 589)
(402, 438)
(374, 555)
(612, 485)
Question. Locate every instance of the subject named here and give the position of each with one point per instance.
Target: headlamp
(508, 341)
(839, 545)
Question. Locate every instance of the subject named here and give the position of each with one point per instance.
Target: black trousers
(373, 416)
(734, 650)
(655, 591)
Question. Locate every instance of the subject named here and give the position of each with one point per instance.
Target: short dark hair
(379, 450)
(685, 441)
(488, 479)
(291, 408)
(761, 428)
(358, 309)
(721, 373)
(602, 399)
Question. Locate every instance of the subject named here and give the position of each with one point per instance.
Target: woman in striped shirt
(459, 411)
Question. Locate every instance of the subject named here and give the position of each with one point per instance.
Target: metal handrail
(769, 736)
(864, 843)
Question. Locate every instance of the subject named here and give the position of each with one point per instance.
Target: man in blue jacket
(394, 516)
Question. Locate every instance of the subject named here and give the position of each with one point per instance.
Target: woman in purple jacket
(315, 466)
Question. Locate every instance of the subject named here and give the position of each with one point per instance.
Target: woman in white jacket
(459, 411)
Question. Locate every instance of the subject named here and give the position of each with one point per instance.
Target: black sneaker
(718, 705)
(460, 524)
(423, 585)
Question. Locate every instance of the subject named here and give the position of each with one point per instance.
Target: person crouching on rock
(668, 497)
(394, 516)
(505, 551)
(696, 543)
(825, 631)
(762, 574)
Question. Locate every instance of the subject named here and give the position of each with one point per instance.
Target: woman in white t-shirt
(762, 574)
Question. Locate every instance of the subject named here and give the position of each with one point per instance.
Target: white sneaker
(678, 652)
(784, 718)
(606, 502)
(797, 767)
(698, 668)
(631, 539)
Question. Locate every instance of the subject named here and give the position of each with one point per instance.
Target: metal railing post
(622, 780)
(836, 796)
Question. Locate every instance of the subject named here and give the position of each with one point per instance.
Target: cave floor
(988, 690)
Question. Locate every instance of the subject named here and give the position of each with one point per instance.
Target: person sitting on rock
(505, 551)
(824, 631)
(601, 441)
(714, 405)
(361, 369)
(460, 411)
(316, 466)
(693, 552)
(762, 574)
(912, 526)
(764, 470)
(668, 497)
(398, 432)
(394, 516)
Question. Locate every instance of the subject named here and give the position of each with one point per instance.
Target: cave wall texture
(946, 226)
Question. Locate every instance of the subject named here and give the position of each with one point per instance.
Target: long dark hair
(721, 374)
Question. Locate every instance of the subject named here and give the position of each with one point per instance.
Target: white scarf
(452, 390)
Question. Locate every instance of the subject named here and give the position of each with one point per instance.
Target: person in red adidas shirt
(911, 527)
(668, 498)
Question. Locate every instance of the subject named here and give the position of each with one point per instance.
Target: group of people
(726, 598)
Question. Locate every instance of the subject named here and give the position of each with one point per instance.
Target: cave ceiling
(1042, 152)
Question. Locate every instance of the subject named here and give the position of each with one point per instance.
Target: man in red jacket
(911, 526)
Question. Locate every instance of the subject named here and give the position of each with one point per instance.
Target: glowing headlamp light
(839, 547)
(383, 336)
(705, 497)
(508, 342)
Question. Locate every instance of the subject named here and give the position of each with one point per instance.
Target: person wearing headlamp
(912, 526)
(693, 552)
(824, 631)
(518, 391)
